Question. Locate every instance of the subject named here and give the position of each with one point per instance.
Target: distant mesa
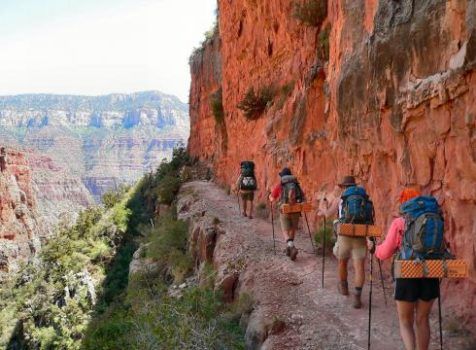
(105, 140)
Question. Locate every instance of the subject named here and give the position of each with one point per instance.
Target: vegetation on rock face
(254, 104)
(311, 12)
(48, 305)
(323, 44)
(216, 103)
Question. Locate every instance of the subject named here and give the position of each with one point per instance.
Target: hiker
(3, 159)
(246, 185)
(347, 247)
(288, 191)
(414, 296)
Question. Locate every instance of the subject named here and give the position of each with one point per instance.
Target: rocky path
(292, 310)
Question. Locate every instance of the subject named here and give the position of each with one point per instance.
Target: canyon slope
(383, 90)
(103, 140)
(36, 198)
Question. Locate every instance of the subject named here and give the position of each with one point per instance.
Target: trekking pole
(310, 236)
(381, 275)
(239, 206)
(439, 315)
(324, 245)
(381, 280)
(323, 251)
(272, 224)
(370, 299)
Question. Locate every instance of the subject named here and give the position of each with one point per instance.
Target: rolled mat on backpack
(358, 230)
(455, 268)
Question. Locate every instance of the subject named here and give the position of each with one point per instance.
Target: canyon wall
(36, 198)
(104, 140)
(19, 222)
(393, 102)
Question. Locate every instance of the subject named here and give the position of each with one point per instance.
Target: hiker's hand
(321, 213)
(371, 246)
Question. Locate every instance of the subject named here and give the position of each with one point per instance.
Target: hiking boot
(357, 302)
(343, 287)
(250, 217)
(244, 214)
(293, 254)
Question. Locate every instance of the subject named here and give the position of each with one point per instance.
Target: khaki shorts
(247, 195)
(346, 247)
(289, 221)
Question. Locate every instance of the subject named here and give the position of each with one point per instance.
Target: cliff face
(19, 228)
(393, 103)
(105, 140)
(36, 195)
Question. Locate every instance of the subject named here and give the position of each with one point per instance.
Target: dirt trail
(314, 317)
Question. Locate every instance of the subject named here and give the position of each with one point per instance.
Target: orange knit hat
(409, 193)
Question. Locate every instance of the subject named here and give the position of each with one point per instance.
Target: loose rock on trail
(292, 310)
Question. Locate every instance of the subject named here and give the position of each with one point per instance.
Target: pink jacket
(392, 240)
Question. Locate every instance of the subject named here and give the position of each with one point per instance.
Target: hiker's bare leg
(359, 268)
(343, 269)
(245, 202)
(422, 321)
(286, 234)
(406, 312)
(251, 209)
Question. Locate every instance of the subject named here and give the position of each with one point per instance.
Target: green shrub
(329, 234)
(323, 44)
(254, 104)
(311, 12)
(216, 104)
(262, 210)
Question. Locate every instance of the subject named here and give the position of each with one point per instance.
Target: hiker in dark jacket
(348, 247)
(414, 296)
(3, 159)
(289, 221)
(245, 187)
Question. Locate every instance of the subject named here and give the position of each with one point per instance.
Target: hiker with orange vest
(414, 296)
(288, 191)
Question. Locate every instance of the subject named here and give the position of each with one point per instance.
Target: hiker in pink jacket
(414, 296)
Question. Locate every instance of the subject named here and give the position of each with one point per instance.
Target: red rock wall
(394, 105)
(18, 222)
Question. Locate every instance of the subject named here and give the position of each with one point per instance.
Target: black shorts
(413, 289)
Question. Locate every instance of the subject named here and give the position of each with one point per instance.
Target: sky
(94, 47)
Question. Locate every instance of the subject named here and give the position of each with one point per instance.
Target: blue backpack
(424, 229)
(357, 208)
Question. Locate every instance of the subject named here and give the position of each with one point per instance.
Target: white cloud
(139, 46)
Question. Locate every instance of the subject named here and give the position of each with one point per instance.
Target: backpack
(424, 229)
(247, 177)
(357, 208)
(291, 192)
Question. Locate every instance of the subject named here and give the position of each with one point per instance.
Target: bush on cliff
(323, 44)
(254, 104)
(310, 12)
(53, 298)
(216, 104)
